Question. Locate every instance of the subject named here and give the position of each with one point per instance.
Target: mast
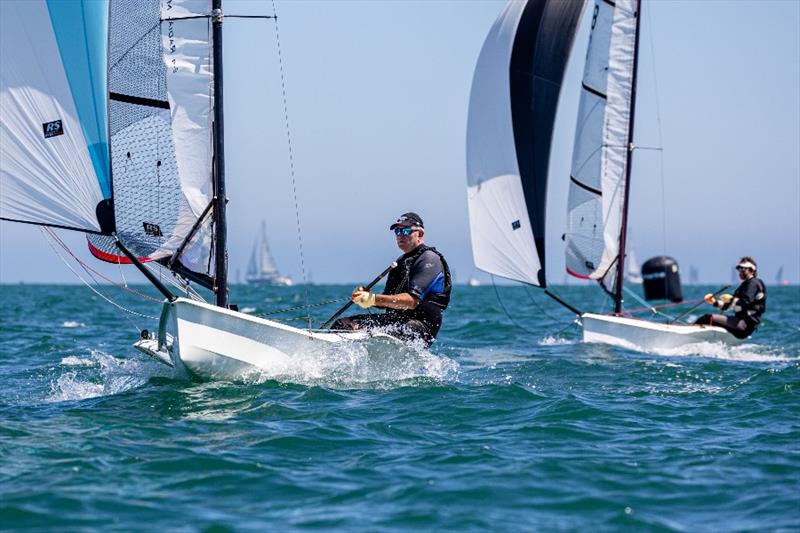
(220, 243)
(624, 229)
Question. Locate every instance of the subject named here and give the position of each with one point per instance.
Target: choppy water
(501, 427)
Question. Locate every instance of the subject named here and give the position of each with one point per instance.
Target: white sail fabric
(261, 266)
(53, 125)
(187, 56)
(502, 238)
(160, 109)
(597, 188)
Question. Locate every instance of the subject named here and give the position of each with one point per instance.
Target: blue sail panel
(81, 31)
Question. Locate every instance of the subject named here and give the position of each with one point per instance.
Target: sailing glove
(363, 298)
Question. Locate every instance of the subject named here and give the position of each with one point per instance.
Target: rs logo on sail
(152, 229)
(51, 129)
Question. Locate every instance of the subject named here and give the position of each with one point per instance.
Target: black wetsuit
(749, 303)
(423, 273)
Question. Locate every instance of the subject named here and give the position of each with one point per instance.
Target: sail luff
(618, 291)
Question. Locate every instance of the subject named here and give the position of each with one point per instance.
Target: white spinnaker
(42, 180)
(494, 189)
(597, 187)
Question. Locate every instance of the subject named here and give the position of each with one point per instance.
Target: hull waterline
(645, 335)
(215, 343)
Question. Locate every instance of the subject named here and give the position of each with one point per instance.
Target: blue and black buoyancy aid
(433, 299)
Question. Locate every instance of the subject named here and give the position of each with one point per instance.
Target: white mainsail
(597, 187)
(54, 166)
(160, 107)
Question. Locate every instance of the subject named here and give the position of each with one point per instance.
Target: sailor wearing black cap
(417, 290)
(748, 302)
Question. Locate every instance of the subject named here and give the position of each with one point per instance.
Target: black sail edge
(539, 56)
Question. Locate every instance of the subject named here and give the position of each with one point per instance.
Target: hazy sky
(377, 96)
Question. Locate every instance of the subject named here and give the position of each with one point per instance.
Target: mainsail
(160, 105)
(512, 109)
(54, 159)
(599, 159)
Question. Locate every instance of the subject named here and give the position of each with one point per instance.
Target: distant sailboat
(694, 275)
(474, 282)
(779, 279)
(262, 269)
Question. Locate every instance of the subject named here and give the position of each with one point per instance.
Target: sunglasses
(405, 232)
(742, 269)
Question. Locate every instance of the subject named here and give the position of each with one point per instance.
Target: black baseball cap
(407, 220)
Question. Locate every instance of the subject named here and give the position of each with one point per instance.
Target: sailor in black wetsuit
(748, 302)
(417, 290)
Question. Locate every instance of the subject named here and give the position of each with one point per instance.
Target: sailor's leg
(354, 322)
(736, 326)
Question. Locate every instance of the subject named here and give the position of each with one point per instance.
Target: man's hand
(709, 298)
(362, 298)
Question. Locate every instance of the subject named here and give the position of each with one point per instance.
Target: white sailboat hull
(645, 335)
(216, 343)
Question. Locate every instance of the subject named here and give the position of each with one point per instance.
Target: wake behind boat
(515, 93)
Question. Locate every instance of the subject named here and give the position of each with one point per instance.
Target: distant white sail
(262, 268)
(597, 187)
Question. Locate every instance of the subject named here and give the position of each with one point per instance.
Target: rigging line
(497, 294)
(91, 270)
(660, 134)
(291, 157)
(101, 295)
(651, 308)
(539, 307)
(306, 306)
(195, 17)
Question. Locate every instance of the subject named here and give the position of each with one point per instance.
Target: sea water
(507, 423)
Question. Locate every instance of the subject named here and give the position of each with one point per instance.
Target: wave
(98, 374)
(749, 352)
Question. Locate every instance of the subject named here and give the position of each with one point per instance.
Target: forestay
(597, 181)
(512, 108)
(160, 83)
(54, 163)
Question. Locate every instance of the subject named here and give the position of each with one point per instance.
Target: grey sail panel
(159, 108)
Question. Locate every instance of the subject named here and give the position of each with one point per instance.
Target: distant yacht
(262, 269)
(473, 282)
